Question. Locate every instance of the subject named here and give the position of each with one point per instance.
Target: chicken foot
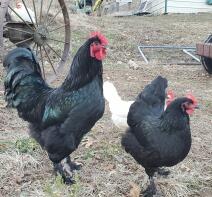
(65, 168)
(72, 165)
(151, 189)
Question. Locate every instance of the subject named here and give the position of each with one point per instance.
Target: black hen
(58, 117)
(155, 137)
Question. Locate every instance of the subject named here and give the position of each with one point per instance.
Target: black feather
(150, 102)
(155, 137)
(58, 117)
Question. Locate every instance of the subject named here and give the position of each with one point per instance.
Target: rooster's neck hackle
(84, 68)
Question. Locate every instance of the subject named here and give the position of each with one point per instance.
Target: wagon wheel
(47, 33)
(206, 61)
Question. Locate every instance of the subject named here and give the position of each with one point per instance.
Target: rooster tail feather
(23, 81)
(22, 54)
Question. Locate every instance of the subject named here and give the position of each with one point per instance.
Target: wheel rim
(43, 33)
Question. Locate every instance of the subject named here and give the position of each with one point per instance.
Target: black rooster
(155, 137)
(58, 117)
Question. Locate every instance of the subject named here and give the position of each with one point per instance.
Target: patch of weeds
(108, 151)
(54, 189)
(58, 188)
(89, 154)
(26, 145)
(75, 188)
(208, 104)
(194, 185)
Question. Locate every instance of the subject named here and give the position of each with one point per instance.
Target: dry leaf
(88, 142)
(185, 168)
(135, 190)
(110, 167)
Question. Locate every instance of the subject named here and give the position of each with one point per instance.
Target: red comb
(190, 96)
(101, 37)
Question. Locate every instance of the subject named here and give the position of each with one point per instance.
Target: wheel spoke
(28, 39)
(19, 30)
(49, 23)
(49, 60)
(47, 13)
(37, 50)
(42, 63)
(33, 48)
(28, 12)
(58, 40)
(57, 28)
(41, 10)
(21, 18)
(54, 51)
(36, 19)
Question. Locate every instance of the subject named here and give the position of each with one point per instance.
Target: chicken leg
(65, 168)
(163, 172)
(151, 189)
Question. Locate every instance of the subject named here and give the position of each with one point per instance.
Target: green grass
(194, 184)
(58, 188)
(26, 145)
(54, 189)
(208, 104)
(89, 154)
(109, 150)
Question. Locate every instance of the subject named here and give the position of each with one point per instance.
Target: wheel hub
(41, 35)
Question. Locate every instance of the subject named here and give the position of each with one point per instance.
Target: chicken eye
(184, 106)
(96, 43)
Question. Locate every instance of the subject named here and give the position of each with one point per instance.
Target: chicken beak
(104, 47)
(197, 107)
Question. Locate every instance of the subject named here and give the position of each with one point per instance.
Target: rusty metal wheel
(46, 29)
(206, 61)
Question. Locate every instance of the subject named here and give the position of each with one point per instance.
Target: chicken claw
(65, 168)
(65, 171)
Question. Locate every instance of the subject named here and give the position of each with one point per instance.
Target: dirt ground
(107, 170)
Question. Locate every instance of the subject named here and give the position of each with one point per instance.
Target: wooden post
(3, 9)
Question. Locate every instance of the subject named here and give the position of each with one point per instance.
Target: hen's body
(58, 117)
(157, 146)
(156, 137)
